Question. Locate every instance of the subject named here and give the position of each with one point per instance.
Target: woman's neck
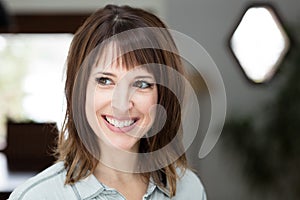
(131, 185)
(118, 169)
(117, 160)
(107, 174)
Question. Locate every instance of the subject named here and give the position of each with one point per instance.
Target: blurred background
(255, 45)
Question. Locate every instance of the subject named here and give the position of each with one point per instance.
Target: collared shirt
(49, 185)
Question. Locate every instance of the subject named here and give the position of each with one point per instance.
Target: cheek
(147, 104)
(101, 99)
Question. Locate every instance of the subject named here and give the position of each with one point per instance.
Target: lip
(116, 129)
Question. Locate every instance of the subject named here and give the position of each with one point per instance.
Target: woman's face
(123, 104)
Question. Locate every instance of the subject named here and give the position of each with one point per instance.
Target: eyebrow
(107, 74)
(140, 77)
(136, 77)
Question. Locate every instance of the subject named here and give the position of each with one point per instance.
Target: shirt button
(110, 192)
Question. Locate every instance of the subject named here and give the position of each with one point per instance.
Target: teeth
(119, 124)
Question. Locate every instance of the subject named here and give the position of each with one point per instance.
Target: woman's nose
(122, 99)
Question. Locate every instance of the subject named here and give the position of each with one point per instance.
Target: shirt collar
(90, 187)
(154, 186)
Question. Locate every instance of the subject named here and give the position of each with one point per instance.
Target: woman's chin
(128, 146)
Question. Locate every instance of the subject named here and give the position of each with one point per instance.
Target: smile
(119, 123)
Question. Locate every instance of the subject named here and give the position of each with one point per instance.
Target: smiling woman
(122, 136)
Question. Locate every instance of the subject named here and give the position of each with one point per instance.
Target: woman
(122, 136)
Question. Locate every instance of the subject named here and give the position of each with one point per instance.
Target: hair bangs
(128, 55)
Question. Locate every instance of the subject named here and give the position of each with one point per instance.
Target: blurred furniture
(29, 150)
(30, 146)
(10, 180)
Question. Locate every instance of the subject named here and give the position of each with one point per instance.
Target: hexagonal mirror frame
(259, 43)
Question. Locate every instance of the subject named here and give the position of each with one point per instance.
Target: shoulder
(189, 186)
(50, 181)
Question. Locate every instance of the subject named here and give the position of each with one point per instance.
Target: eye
(142, 84)
(104, 81)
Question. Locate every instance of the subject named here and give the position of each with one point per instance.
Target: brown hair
(100, 26)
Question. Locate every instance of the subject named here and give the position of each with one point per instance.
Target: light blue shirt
(49, 185)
